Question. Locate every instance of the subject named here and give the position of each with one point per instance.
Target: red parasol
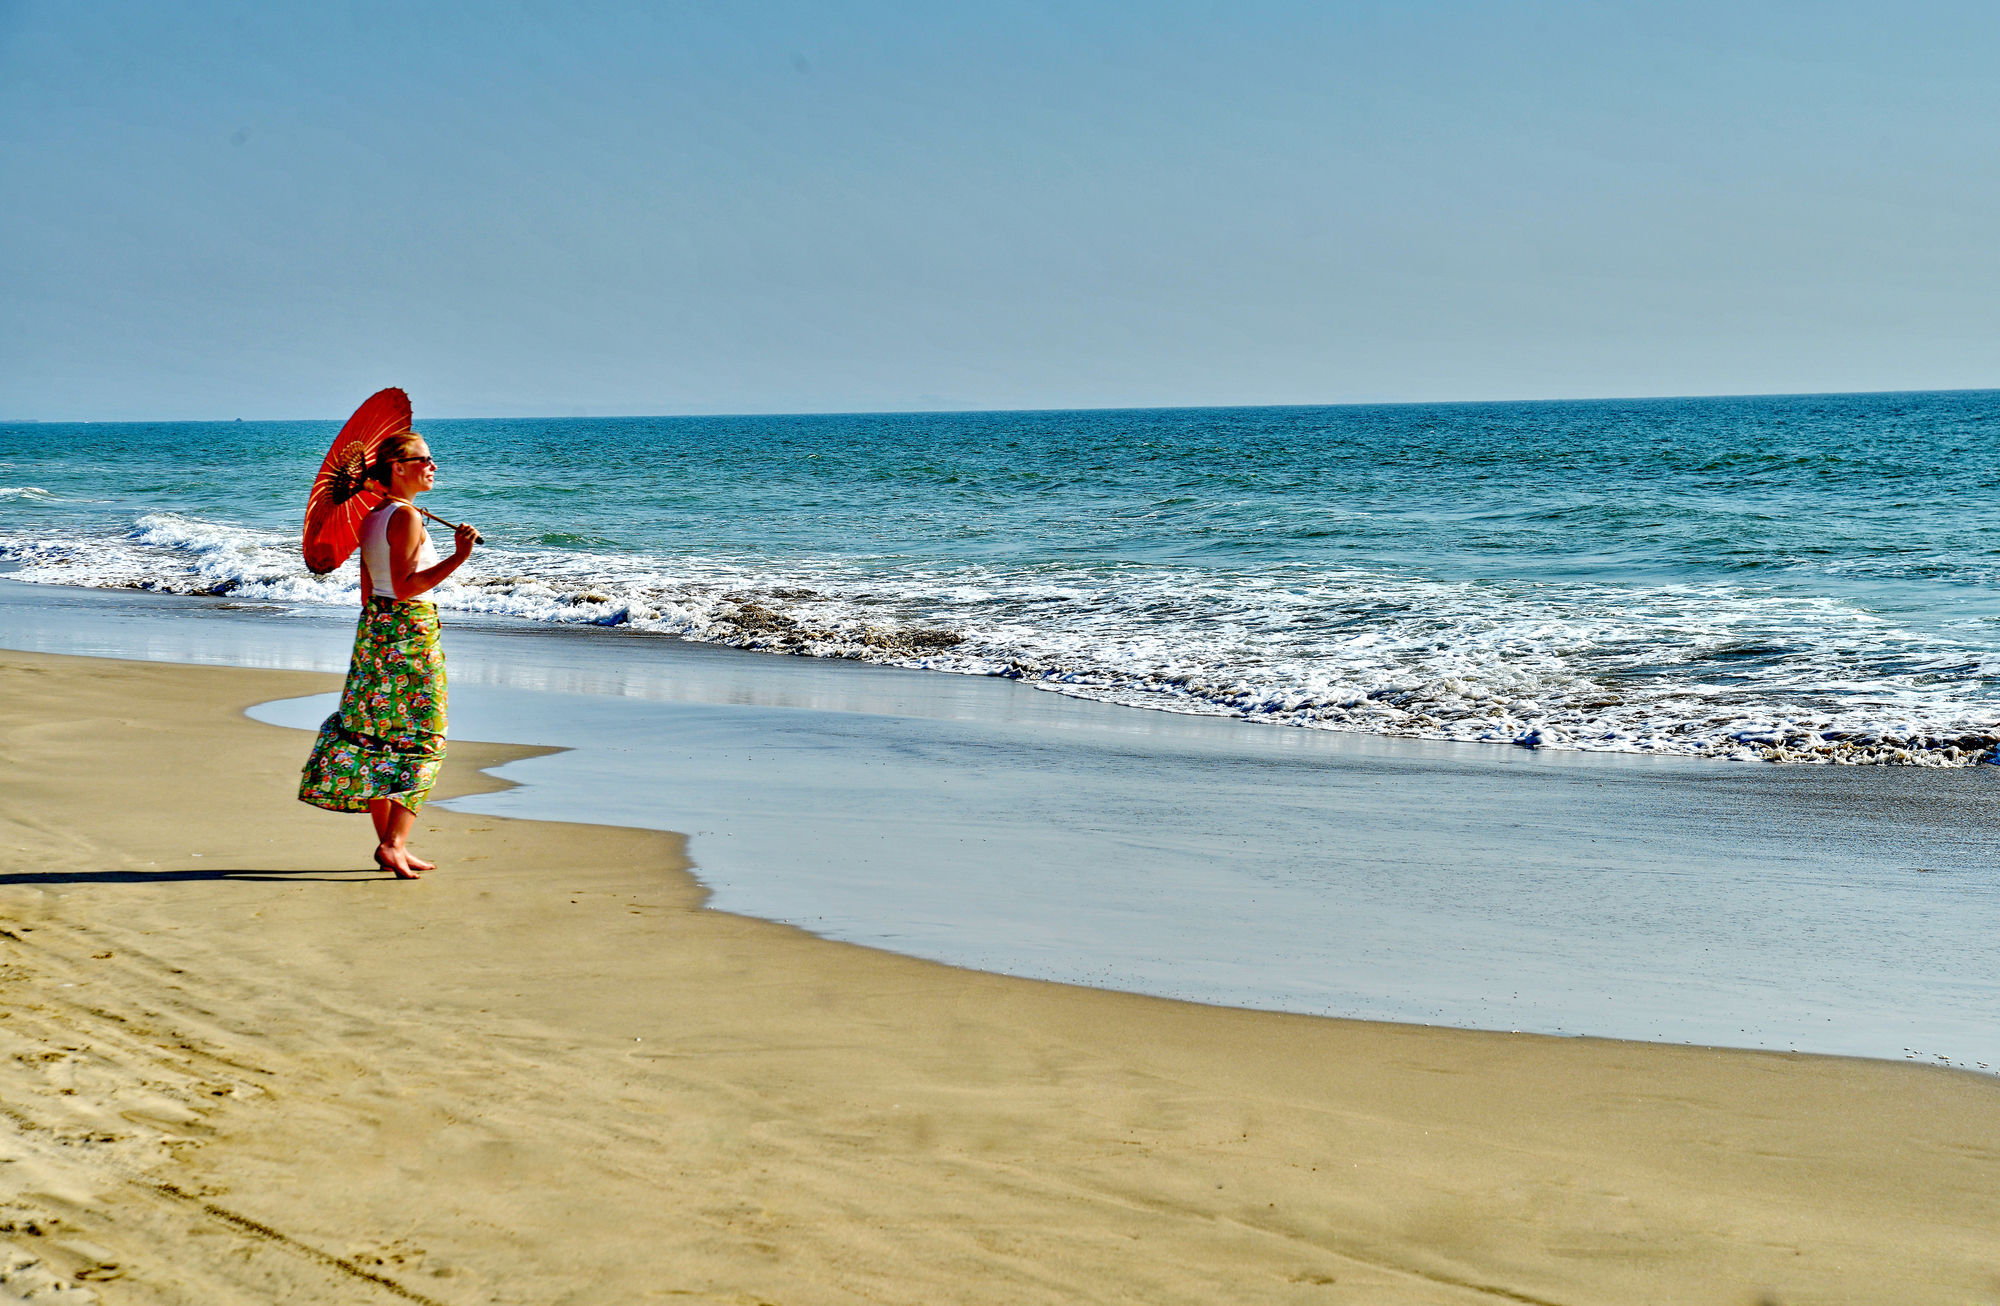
(342, 494)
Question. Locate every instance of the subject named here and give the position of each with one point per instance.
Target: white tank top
(375, 550)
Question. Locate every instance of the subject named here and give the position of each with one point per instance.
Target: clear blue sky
(271, 209)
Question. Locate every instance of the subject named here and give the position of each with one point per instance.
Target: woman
(381, 751)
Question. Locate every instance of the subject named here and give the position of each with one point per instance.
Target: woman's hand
(462, 540)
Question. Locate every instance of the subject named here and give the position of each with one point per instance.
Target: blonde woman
(381, 751)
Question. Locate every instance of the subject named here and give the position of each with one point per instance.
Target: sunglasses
(426, 458)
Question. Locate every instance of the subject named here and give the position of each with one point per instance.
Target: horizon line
(1094, 408)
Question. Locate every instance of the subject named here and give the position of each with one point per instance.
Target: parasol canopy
(342, 494)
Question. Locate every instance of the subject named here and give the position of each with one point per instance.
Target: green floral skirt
(387, 739)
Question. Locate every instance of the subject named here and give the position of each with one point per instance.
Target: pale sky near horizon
(271, 210)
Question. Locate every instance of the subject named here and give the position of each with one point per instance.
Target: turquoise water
(1803, 578)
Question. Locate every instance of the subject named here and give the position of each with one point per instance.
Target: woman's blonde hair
(403, 444)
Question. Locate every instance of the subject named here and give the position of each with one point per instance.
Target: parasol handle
(477, 538)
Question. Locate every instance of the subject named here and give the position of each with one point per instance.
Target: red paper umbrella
(342, 494)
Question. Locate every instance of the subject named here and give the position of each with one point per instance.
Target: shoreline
(546, 1070)
(1831, 910)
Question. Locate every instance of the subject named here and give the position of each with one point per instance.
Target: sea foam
(1697, 670)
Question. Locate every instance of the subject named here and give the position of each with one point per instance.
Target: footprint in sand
(400, 1254)
(25, 1277)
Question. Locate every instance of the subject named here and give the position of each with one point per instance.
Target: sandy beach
(240, 1067)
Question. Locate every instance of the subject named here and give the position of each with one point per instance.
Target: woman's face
(415, 472)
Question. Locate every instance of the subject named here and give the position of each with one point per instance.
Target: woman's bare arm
(405, 539)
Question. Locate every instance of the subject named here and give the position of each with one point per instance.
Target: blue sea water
(1811, 578)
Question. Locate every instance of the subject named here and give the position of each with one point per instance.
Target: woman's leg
(394, 822)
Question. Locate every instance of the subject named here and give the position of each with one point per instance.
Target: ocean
(1791, 579)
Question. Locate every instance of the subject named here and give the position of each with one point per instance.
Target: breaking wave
(1713, 670)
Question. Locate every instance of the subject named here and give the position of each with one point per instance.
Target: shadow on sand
(49, 879)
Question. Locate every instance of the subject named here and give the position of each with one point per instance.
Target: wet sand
(241, 1065)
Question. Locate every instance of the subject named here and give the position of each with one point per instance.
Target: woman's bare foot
(417, 863)
(397, 860)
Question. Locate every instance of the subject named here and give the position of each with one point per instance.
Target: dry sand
(239, 1067)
